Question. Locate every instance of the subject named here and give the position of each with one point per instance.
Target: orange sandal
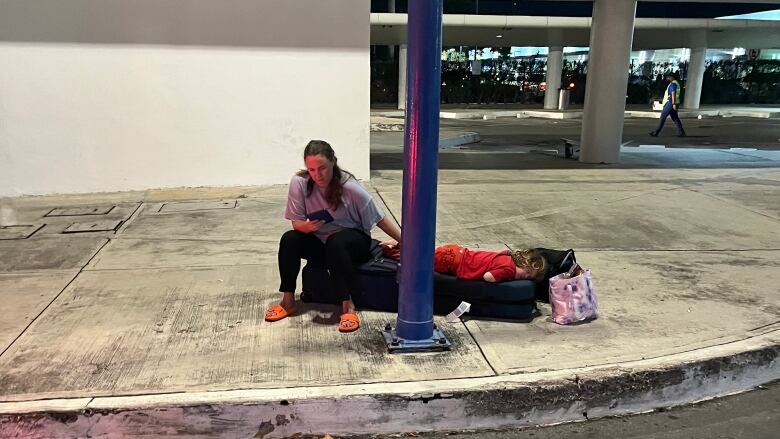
(349, 322)
(276, 313)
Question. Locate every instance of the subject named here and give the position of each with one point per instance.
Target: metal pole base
(395, 344)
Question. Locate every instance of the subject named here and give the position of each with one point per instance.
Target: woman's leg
(293, 247)
(344, 251)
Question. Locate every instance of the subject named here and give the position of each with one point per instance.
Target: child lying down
(489, 266)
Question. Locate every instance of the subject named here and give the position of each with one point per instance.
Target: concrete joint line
(546, 212)
(387, 207)
(476, 403)
(175, 267)
(732, 203)
(129, 219)
(48, 305)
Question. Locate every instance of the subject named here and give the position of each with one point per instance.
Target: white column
(695, 77)
(391, 9)
(402, 77)
(553, 78)
(611, 36)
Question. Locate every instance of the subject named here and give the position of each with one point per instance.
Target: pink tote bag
(573, 299)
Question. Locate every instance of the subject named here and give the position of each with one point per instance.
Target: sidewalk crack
(48, 305)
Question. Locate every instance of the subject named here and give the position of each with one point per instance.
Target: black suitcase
(560, 261)
(513, 300)
(377, 278)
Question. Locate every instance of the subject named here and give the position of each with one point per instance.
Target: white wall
(111, 95)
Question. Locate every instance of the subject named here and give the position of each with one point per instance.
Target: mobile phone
(320, 215)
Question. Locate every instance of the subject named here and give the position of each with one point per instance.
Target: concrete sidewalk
(141, 313)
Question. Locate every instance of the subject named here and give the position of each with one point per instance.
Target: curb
(752, 114)
(507, 401)
(460, 139)
(388, 113)
(574, 114)
(484, 115)
(461, 114)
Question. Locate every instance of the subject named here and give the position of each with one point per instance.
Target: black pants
(340, 254)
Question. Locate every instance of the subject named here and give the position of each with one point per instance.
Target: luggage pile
(512, 300)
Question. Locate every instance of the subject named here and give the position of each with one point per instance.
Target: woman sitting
(340, 236)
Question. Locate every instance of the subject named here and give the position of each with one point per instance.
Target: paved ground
(752, 415)
(716, 132)
(162, 292)
(702, 133)
(510, 143)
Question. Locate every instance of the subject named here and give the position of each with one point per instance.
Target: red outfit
(470, 264)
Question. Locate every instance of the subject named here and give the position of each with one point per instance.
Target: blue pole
(421, 149)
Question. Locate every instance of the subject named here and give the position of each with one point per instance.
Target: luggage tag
(454, 316)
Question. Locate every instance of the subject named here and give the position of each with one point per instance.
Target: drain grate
(19, 231)
(80, 211)
(94, 226)
(188, 206)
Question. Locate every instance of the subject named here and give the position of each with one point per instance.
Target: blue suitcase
(377, 278)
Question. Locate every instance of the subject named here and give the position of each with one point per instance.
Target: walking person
(671, 103)
(332, 216)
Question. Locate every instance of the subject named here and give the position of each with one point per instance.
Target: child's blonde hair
(532, 259)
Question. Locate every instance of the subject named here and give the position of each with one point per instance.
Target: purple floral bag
(573, 299)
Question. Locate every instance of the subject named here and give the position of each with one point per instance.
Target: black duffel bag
(377, 279)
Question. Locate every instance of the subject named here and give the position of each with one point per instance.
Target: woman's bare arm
(388, 226)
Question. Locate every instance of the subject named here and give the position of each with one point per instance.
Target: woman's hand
(307, 226)
(390, 243)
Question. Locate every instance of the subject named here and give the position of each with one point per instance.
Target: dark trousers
(341, 254)
(666, 112)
